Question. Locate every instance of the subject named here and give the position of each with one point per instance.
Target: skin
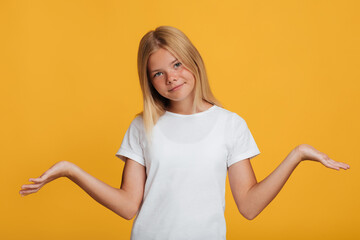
(251, 197)
(166, 73)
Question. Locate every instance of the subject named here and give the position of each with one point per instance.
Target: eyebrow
(170, 64)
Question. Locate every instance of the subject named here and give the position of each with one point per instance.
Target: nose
(171, 77)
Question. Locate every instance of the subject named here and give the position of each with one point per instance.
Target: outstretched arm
(252, 197)
(124, 201)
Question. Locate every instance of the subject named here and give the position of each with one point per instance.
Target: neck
(181, 107)
(187, 108)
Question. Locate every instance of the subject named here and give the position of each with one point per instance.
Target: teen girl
(178, 150)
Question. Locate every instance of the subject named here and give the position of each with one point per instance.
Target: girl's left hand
(308, 152)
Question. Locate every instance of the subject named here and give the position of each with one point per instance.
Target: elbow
(128, 217)
(248, 210)
(129, 213)
(128, 209)
(249, 215)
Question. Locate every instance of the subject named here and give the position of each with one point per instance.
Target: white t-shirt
(186, 167)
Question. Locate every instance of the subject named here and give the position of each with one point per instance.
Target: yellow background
(69, 90)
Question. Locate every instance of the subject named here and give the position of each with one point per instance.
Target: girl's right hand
(60, 169)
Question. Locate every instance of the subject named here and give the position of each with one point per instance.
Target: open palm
(310, 153)
(59, 169)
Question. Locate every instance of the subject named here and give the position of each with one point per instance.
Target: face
(170, 78)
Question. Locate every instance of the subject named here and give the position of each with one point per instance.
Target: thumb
(36, 180)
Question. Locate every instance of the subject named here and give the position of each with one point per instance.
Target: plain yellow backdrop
(69, 90)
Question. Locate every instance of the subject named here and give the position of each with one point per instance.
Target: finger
(329, 164)
(40, 179)
(340, 164)
(27, 192)
(30, 186)
(48, 175)
(344, 165)
(35, 180)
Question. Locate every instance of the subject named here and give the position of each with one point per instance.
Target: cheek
(191, 80)
(188, 76)
(157, 85)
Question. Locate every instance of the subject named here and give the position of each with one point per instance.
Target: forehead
(160, 58)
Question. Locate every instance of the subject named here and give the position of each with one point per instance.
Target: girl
(178, 151)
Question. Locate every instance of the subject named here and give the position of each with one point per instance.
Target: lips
(176, 87)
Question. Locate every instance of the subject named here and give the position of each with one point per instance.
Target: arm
(252, 197)
(124, 201)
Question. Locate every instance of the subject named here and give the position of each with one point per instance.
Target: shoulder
(138, 120)
(137, 123)
(232, 118)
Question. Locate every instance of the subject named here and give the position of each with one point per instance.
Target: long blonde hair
(176, 42)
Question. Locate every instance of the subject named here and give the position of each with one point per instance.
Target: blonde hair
(176, 42)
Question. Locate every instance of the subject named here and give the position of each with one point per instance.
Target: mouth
(176, 87)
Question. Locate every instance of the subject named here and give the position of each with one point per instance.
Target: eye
(157, 74)
(178, 64)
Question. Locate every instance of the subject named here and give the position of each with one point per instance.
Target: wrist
(299, 154)
(69, 169)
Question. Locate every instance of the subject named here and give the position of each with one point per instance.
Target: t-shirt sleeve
(131, 146)
(242, 145)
